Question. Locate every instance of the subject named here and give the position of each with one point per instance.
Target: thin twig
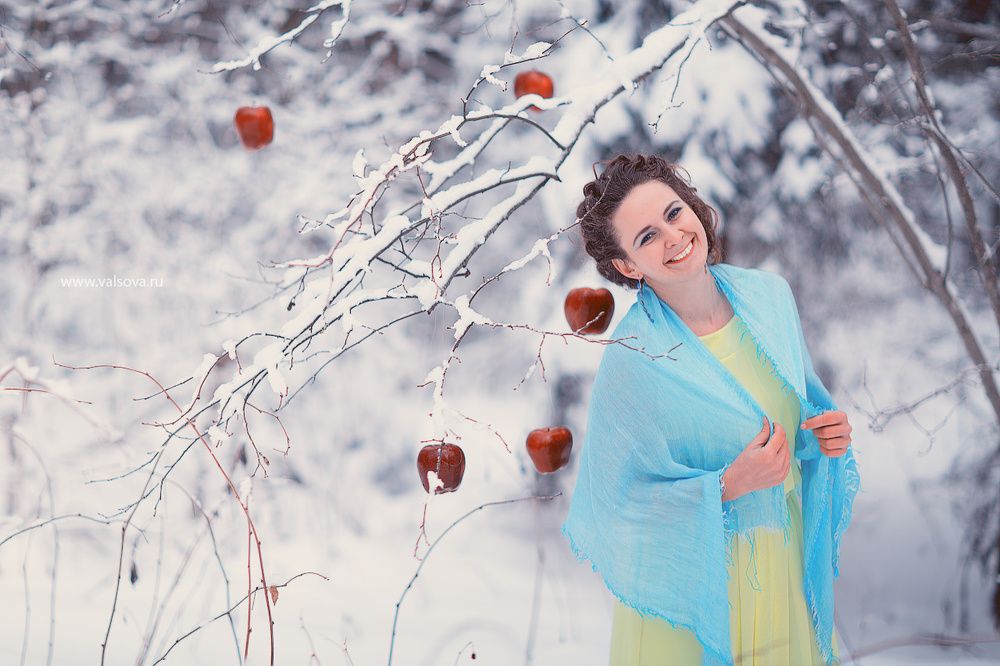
(395, 616)
(229, 611)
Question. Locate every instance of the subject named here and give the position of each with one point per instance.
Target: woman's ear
(625, 268)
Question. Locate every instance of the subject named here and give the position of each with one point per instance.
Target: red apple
(446, 460)
(255, 126)
(533, 81)
(549, 448)
(584, 304)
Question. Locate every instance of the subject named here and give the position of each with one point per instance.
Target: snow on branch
(859, 161)
(927, 259)
(268, 44)
(332, 284)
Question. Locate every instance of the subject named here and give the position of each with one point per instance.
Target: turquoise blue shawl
(647, 510)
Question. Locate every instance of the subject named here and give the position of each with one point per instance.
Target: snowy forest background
(121, 539)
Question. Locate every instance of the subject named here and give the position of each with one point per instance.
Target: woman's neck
(697, 301)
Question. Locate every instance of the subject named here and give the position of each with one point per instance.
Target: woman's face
(654, 226)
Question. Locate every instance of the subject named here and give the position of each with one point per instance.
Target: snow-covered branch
(348, 262)
(926, 257)
(268, 44)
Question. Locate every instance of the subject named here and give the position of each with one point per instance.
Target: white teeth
(684, 253)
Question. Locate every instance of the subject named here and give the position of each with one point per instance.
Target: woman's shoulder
(757, 283)
(761, 275)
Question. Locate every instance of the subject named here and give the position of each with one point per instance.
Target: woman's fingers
(782, 458)
(824, 419)
(779, 439)
(776, 462)
(835, 447)
(836, 430)
(834, 439)
(834, 436)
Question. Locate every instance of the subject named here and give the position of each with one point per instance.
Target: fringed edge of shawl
(749, 537)
(825, 644)
(716, 652)
(852, 484)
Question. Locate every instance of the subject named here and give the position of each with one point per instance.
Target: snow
(467, 317)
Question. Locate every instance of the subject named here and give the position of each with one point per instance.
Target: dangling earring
(641, 302)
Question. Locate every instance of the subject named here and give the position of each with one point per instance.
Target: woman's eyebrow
(647, 227)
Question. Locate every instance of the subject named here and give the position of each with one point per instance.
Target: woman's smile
(683, 254)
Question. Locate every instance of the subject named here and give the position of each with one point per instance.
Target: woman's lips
(689, 253)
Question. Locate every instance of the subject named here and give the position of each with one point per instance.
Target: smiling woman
(663, 199)
(709, 524)
(643, 222)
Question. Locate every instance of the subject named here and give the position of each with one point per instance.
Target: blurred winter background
(121, 540)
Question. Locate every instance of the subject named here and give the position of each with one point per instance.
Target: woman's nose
(672, 236)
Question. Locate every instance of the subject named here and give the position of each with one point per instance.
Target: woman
(717, 532)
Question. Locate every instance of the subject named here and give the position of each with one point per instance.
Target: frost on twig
(268, 44)
(415, 249)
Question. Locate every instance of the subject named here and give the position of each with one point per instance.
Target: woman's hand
(762, 464)
(833, 432)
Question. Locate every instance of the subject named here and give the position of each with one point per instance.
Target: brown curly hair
(604, 194)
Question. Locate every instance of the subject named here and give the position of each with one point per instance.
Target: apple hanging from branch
(550, 448)
(589, 311)
(445, 460)
(255, 125)
(533, 81)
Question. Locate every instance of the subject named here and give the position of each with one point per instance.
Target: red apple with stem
(533, 81)
(549, 448)
(445, 460)
(589, 311)
(255, 125)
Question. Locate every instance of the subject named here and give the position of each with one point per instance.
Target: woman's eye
(671, 216)
(643, 241)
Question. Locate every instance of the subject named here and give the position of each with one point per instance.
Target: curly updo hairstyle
(603, 195)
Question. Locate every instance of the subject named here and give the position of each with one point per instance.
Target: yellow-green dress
(769, 621)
